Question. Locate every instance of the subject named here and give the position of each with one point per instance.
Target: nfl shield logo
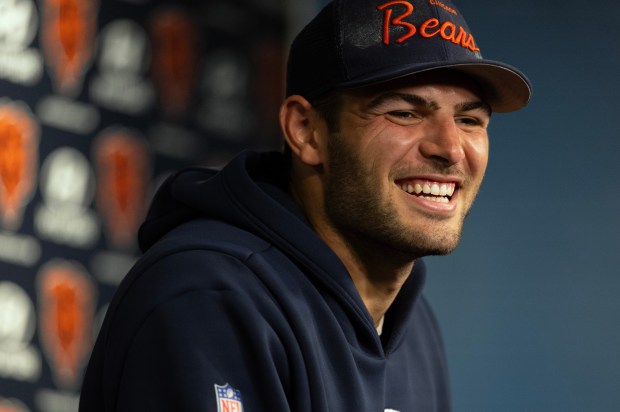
(228, 399)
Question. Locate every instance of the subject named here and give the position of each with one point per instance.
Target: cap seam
(444, 46)
(342, 66)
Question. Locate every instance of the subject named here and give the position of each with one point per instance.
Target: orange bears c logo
(123, 170)
(66, 313)
(19, 141)
(175, 60)
(68, 30)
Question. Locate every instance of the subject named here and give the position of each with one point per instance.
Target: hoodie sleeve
(197, 342)
(186, 324)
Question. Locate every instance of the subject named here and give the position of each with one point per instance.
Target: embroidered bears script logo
(432, 27)
(19, 135)
(66, 313)
(68, 31)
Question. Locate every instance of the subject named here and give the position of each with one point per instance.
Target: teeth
(438, 191)
(436, 199)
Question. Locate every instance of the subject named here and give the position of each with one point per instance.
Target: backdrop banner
(99, 102)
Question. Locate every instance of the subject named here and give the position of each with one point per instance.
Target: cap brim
(504, 88)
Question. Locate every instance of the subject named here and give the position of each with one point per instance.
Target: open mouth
(440, 192)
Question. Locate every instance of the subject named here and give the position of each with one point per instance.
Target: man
(292, 282)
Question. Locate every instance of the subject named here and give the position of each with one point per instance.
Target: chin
(435, 247)
(440, 251)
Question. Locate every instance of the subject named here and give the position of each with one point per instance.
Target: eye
(471, 121)
(403, 116)
(400, 114)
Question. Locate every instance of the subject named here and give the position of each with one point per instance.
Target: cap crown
(351, 40)
(352, 43)
(401, 33)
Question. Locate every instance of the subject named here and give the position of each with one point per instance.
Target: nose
(443, 142)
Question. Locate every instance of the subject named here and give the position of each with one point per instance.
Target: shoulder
(204, 259)
(206, 234)
(200, 254)
(190, 295)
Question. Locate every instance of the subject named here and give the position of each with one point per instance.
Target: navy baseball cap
(354, 43)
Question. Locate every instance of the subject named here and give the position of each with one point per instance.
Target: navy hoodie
(237, 305)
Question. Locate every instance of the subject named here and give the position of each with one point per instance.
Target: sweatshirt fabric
(237, 305)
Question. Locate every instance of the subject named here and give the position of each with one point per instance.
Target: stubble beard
(369, 222)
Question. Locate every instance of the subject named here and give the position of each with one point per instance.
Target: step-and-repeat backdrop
(99, 101)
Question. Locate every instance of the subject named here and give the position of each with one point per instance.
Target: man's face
(405, 167)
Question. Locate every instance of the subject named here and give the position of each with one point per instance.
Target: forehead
(445, 80)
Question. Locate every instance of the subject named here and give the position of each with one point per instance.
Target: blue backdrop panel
(529, 302)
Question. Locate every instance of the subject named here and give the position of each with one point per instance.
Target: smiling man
(394, 177)
(292, 281)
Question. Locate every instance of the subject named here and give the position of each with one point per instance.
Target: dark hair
(328, 107)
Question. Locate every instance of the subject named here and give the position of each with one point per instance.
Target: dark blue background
(529, 303)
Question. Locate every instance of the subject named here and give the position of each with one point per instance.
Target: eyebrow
(416, 100)
(412, 99)
(469, 106)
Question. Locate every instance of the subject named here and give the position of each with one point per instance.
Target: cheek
(391, 145)
(477, 152)
(375, 145)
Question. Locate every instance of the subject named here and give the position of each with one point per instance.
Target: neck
(378, 274)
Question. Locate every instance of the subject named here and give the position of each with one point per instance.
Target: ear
(303, 130)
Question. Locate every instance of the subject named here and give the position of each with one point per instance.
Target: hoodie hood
(239, 194)
(251, 193)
